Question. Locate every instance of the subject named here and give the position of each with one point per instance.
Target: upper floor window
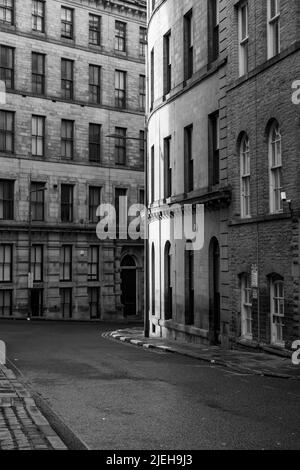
(66, 263)
(213, 30)
(94, 203)
(67, 79)
(67, 20)
(152, 79)
(7, 11)
(245, 176)
(6, 263)
(120, 146)
(94, 142)
(120, 89)
(95, 30)
(167, 63)
(188, 45)
(142, 92)
(93, 263)
(143, 41)
(38, 136)
(67, 139)
(120, 37)
(67, 202)
(273, 28)
(95, 84)
(167, 168)
(37, 262)
(246, 307)
(7, 131)
(275, 166)
(188, 160)
(37, 197)
(152, 172)
(7, 66)
(214, 148)
(142, 148)
(243, 38)
(38, 15)
(6, 200)
(38, 73)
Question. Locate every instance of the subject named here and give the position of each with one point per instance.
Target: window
(67, 85)
(37, 263)
(7, 131)
(188, 46)
(67, 22)
(275, 165)
(66, 302)
(5, 303)
(142, 92)
(38, 15)
(93, 263)
(246, 307)
(142, 149)
(277, 311)
(120, 146)
(167, 168)
(167, 63)
(94, 30)
(142, 196)
(120, 89)
(7, 66)
(67, 139)
(273, 28)
(153, 280)
(214, 148)
(152, 80)
(188, 160)
(143, 41)
(189, 288)
(245, 176)
(7, 11)
(93, 298)
(6, 200)
(168, 283)
(152, 163)
(67, 203)
(213, 30)
(243, 38)
(94, 203)
(38, 73)
(120, 36)
(95, 84)
(66, 263)
(121, 207)
(6, 263)
(37, 196)
(94, 142)
(38, 136)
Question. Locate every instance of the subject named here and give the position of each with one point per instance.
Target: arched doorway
(129, 285)
(214, 294)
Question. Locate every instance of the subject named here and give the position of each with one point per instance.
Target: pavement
(22, 426)
(257, 362)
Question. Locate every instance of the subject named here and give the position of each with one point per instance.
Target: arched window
(275, 166)
(168, 283)
(245, 176)
(153, 279)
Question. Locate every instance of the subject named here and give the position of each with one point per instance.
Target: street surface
(117, 396)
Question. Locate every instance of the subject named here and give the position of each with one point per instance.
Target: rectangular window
(120, 36)
(245, 176)
(94, 203)
(67, 79)
(167, 168)
(277, 312)
(95, 30)
(152, 173)
(120, 146)
(243, 38)
(143, 41)
(188, 46)
(7, 66)
(6, 263)
(5, 303)
(142, 149)
(37, 197)
(37, 262)
(93, 263)
(67, 203)
(213, 30)
(94, 142)
(67, 139)
(95, 84)
(66, 263)
(273, 28)
(120, 89)
(38, 73)
(7, 135)
(67, 22)
(246, 307)
(121, 207)
(214, 148)
(189, 288)
(142, 197)
(94, 304)
(66, 302)
(7, 11)
(142, 92)
(6, 200)
(38, 136)
(188, 160)
(275, 159)
(38, 15)
(167, 63)
(152, 80)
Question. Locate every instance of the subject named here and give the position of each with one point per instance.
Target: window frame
(67, 80)
(66, 265)
(37, 265)
(4, 264)
(245, 177)
(243, 40)
(65, 140)
(67, 205)
(120, 36)
(94, 31)
(7, 74)
(273, 29)
(6, 133)
(8, 10)
(35, 15)
(277, 317)
(36, 138)
(246, 307)
(36, 74)
(95, 85)
(275, 168)
(121, 146)
(120, 93)
(65, 23)
(7, 203)
(37, 199)
(93, 262)
(4, 307)
(95, 193)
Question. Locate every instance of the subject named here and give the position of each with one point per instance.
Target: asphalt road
(117, 396)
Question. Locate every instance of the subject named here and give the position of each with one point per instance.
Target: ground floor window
(246, 307)
(5, 303)
(94, 296)
(66, 302)
(277, 312)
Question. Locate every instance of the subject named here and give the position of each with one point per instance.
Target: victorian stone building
(224, 133)
(71, 137)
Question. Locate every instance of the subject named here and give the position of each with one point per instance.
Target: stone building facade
(75, 77)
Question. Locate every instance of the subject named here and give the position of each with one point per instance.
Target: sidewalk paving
(256, 363)
(22, 426)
